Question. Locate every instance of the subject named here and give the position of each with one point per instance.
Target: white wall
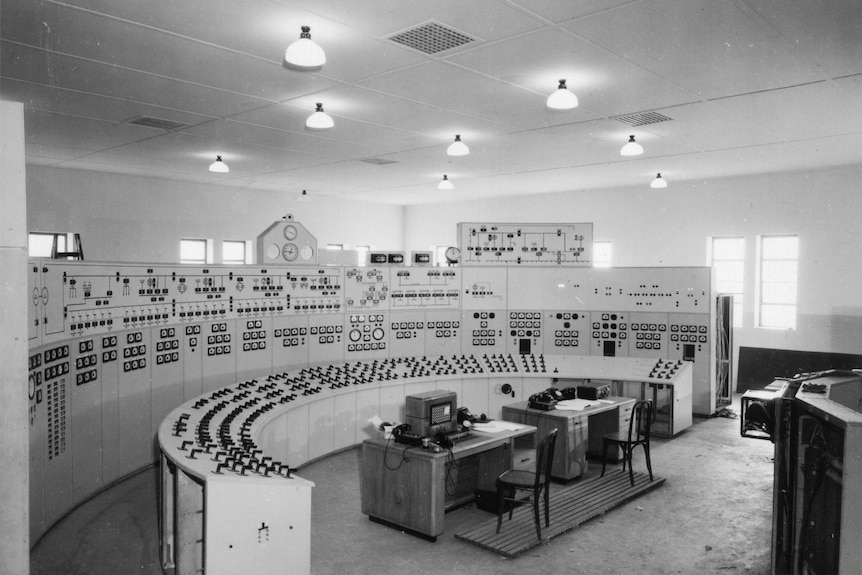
(141, 219)
(670, 227)
(138, 219)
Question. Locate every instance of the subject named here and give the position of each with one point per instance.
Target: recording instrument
(432, 413)
(593, 392)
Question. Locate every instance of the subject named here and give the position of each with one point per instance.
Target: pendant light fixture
(632, 148)
(562, 98)
(658, 182)
(445, 184)
(319, 120)
(458, 148)
(304, 54)
(219, 166)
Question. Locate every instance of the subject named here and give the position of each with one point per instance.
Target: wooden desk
(579, 431)
(412, 488)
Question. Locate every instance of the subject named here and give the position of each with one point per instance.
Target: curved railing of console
(230, 499)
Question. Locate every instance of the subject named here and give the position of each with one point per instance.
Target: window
(62, 245)
(778, 278)
(440, 255)
(193, 251)
(602, 254)
(233, 252)
(336, 247)
(728, 268)
(362, 255)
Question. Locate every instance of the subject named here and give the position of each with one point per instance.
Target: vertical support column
(14, 434)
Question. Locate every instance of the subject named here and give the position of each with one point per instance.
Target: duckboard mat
(570, 506)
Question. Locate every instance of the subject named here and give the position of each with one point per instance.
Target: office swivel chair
(510, 482)
(638, 434)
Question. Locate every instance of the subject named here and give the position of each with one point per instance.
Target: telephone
(545, 400)
(402, 434)
(466, 419)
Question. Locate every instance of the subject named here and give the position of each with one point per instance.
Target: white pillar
(14, 400)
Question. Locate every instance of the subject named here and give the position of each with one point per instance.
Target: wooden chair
(638, 434)
(510, 482)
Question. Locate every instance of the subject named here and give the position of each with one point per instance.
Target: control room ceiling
(739, 87)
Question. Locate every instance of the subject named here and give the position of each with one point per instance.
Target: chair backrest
(641, 421)
(545, 458)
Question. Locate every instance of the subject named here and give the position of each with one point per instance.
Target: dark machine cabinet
(817, 514)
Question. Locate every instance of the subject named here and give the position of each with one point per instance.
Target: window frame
(738, 296)
(768, 286)
(602, 263)
(207, 243)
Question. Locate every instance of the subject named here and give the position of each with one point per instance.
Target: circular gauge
(453, 255)
(272, 251)
(377, 334)
(290, 232)
(306, 252)
(355, 335)
(32, 387)
(289, 252)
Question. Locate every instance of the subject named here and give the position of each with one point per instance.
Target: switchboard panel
(114, 347)
(525, 244)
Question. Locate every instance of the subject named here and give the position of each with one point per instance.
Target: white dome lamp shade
(219, 166)
(631, 148)
(562, 98)
(305, 54)
(457, 148)
(319, 120)
(658, 182)
(445, 184)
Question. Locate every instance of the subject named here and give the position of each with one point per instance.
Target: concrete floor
(712, 515)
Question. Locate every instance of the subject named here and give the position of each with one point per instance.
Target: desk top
(477, 442)
(592, 407)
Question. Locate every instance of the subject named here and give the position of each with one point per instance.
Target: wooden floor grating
(570, 506)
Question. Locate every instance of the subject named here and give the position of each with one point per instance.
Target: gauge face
(355, 335)
(453, 254)
(272, 251)
(306, 252)
(290, 232)
(377, 334)
(289, 252)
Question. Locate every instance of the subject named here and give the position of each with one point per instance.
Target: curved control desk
(230, 500)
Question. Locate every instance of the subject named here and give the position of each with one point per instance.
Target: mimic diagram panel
(424, 288)
(526, 244)
(677, 289)
(87, 299)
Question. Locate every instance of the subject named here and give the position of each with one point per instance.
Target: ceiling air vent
(643, 118)
(157, 123)
(378, 161)
(431, 38)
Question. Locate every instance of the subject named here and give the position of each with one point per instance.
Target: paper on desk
(579, 404)
(497, 426)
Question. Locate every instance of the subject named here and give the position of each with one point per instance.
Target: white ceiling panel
(825, 33)
(605, 83)
(749, 86)
(799, 113)
(710, 49)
